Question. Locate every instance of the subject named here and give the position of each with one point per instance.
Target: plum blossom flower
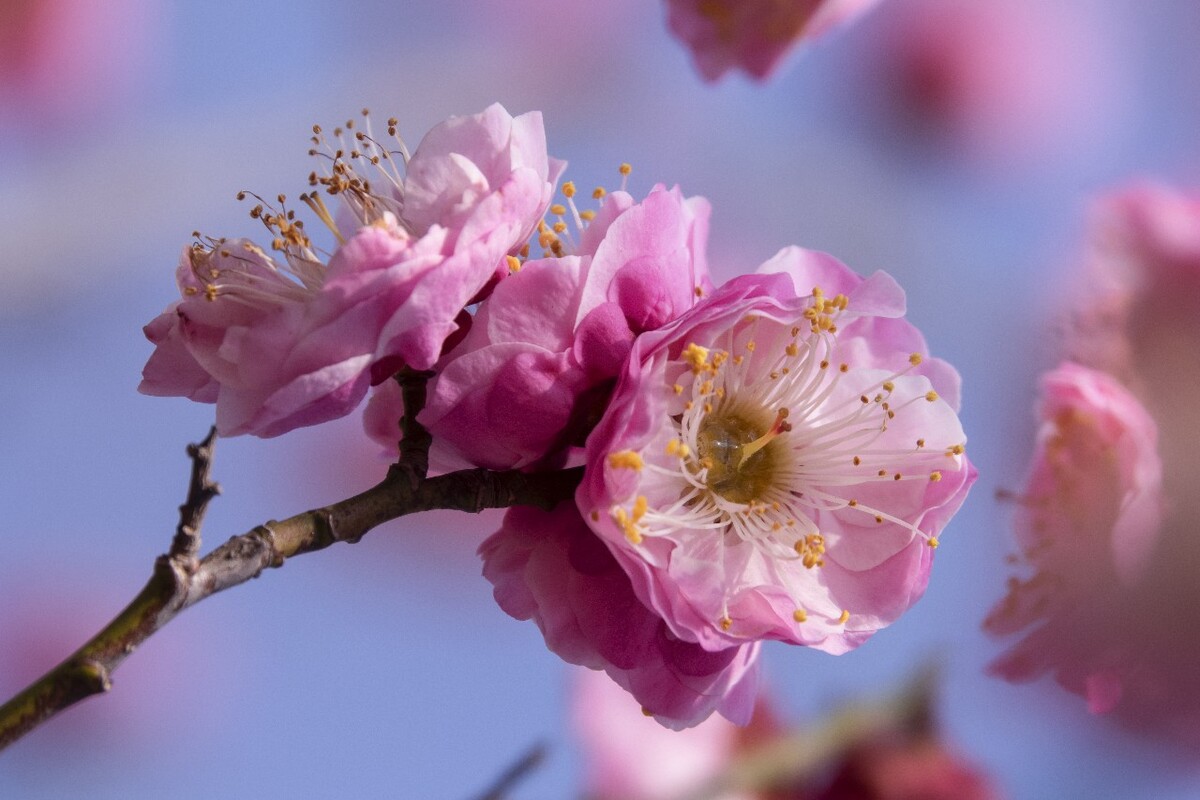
(752, 35)
(779, 462)
(530, 377)
(1088, 521)
(549, 567)
(283, 341)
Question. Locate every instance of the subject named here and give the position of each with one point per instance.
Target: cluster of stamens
(760, 444)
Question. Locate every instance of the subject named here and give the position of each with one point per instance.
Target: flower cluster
(774, 458)
(1107, 519)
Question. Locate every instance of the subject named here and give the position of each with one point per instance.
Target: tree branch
(179, 580)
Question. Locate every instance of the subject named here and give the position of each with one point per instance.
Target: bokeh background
(954, 143)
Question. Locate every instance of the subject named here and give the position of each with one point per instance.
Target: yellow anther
(558, 209)
(852, 503)
(706, 387)
(935, 476)
(931, 395)
(791, 349)
(856, 461)
(560, 227)
(843, 367)
(914, 359)
(845, 617)
(677, 389)
(933, 542)
(696, 356)
(956, 450)
(699, 290)
(514, 263)
(708, 408)
(587, 216)
(881, 473)
(800, 615)
(640, 506)
(888, 386)
(750, 345)
(824, 365)
(625, 168)
(896, 477)
(625, 459)
(726, 623)
(568, 189)
(737, 360)
(210, 292)
(920, 442)
(599, 192)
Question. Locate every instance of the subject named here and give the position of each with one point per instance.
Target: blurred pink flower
(752, 35)
(280, 343)
(1123, 548)
(1088, 522)
(531, 377)
(778, 463)
(57, 57)
(906, 767)
(549, 567)
(628, 756)
(994, 80)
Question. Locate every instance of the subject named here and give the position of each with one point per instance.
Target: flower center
(744, 454)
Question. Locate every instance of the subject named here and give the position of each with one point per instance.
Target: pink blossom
(531, 376)
(549, 567)
(1088, 522)
(778, 463)
(752, 35)
(286, 341)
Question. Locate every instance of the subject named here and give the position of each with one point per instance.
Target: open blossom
(779, 462)
(532, 375)
(752, 35)
(285, 340)
(1089, 519)
(549, 567)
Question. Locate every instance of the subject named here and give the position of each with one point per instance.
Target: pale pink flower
(752, 35)
(293, 340)
(1088, 521)
(778, 463)
(532, 375)
(628, 756)
(550, 567)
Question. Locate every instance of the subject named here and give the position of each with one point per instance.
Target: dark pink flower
(778, 462)
(530, 378)
(550, 567)
(289, 340)
(1088, 522)
(752, 35)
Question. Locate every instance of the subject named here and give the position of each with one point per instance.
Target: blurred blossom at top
(1120, 617)
(65, 59)
(1001, 82)
(753, 35)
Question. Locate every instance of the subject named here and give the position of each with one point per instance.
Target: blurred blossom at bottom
(1114, 541)
(627, 756)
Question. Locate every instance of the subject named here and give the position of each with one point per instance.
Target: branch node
(201, 489)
